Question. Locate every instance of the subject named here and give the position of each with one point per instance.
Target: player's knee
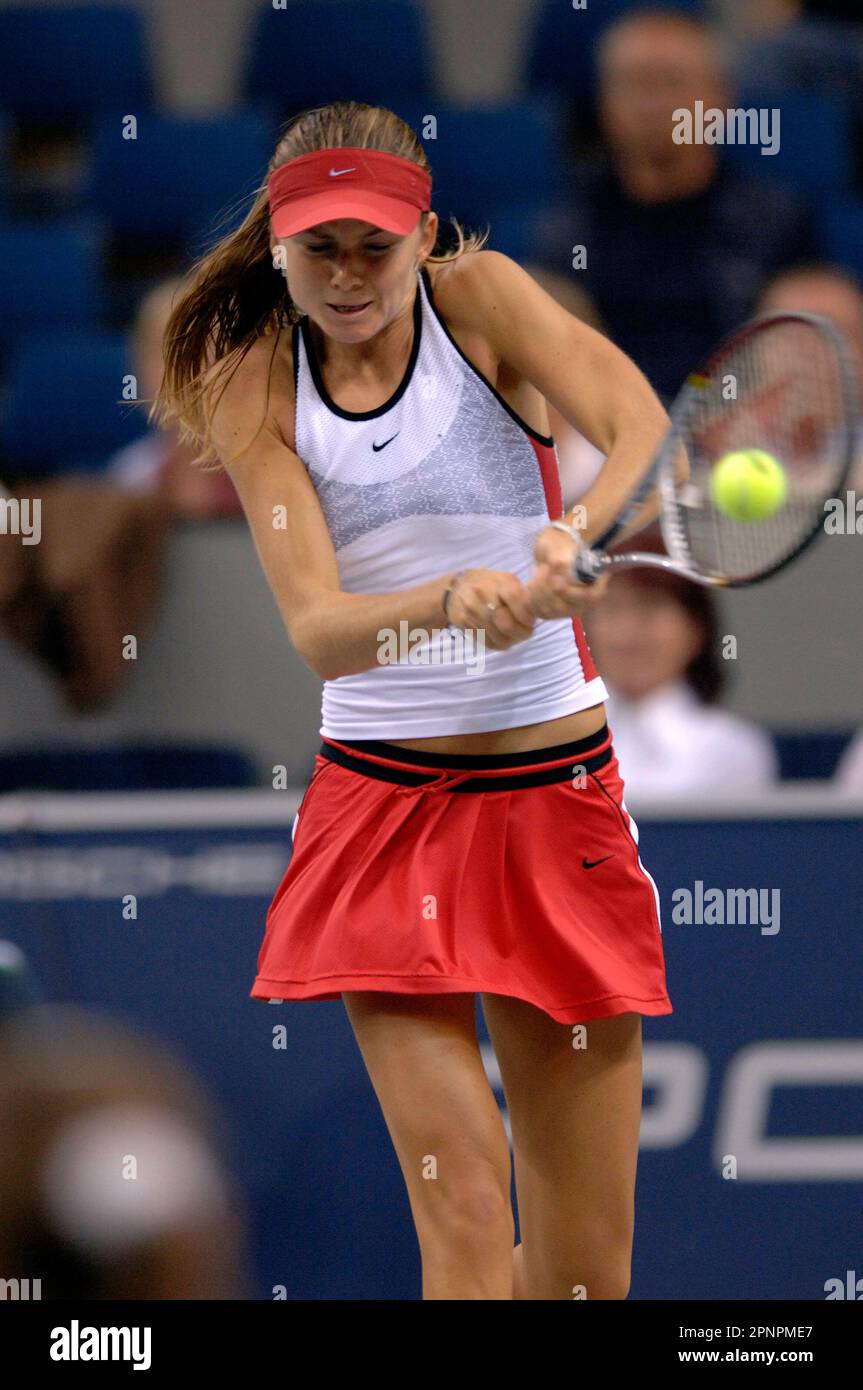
(471, 1209)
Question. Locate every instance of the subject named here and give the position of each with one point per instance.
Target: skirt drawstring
(442, 782)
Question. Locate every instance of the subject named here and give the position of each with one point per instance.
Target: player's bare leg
(425, 1065)
(575, 1117)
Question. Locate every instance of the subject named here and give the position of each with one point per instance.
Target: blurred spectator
(47, 164)
(73, 599)
(655, 641)
(94, 578)
(820, 288)
(160, 464)
(112, 1185)
(849, 774)
(580, 461)
(677, 243)
(777, 47)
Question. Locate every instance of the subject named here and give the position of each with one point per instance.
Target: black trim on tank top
(295, 353)
(397, 394)
(545, 439)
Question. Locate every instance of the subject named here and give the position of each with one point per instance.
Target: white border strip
(790, 801)
(245, 808)
(64, 811)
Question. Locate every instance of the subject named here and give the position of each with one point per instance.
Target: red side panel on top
(547, 460)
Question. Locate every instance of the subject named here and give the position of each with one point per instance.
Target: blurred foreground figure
(111, 1185)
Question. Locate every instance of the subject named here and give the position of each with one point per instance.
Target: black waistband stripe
(509, 780)
(482, 762)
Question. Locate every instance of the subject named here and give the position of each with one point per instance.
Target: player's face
(640, 638)
(352, 277)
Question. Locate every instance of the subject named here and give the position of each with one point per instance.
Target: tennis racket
(783, 383)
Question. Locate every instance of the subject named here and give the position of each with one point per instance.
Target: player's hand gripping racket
(769, 427)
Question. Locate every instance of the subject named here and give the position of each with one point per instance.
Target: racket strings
(781, 388)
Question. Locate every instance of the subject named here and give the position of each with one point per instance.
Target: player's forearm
(341, 633)
(647, 513)
(635, 444)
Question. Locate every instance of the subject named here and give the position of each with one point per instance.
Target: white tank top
(443, 476)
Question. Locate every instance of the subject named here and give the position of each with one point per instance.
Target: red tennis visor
(345, 181)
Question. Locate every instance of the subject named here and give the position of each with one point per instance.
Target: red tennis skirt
(514, 874)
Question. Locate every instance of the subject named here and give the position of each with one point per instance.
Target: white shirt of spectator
(136, 467)
(671, 744)
(580, 464)
(849, 773)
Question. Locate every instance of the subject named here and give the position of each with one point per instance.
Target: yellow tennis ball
(748, 485)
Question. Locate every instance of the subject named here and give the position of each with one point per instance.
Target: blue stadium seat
(318, 51)
(483, 157)
(126, 767)
(4, 164)
(810, 754)
(816, 142)
(50, 274)
(813, 53)
(180, 174)
(513, 231)
(59, 62)
(64, 400)
(560, 53)
(841, 232)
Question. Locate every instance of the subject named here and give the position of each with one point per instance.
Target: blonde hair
(233, 296)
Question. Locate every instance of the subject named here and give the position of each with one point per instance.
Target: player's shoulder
(466, 280)
(467, 288)
(244, 368)
(248, 390)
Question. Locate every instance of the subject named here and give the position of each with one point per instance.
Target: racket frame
(591, 561)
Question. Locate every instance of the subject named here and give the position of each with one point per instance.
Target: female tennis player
(382, 414)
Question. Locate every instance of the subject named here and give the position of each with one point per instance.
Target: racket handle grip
(587, 566)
